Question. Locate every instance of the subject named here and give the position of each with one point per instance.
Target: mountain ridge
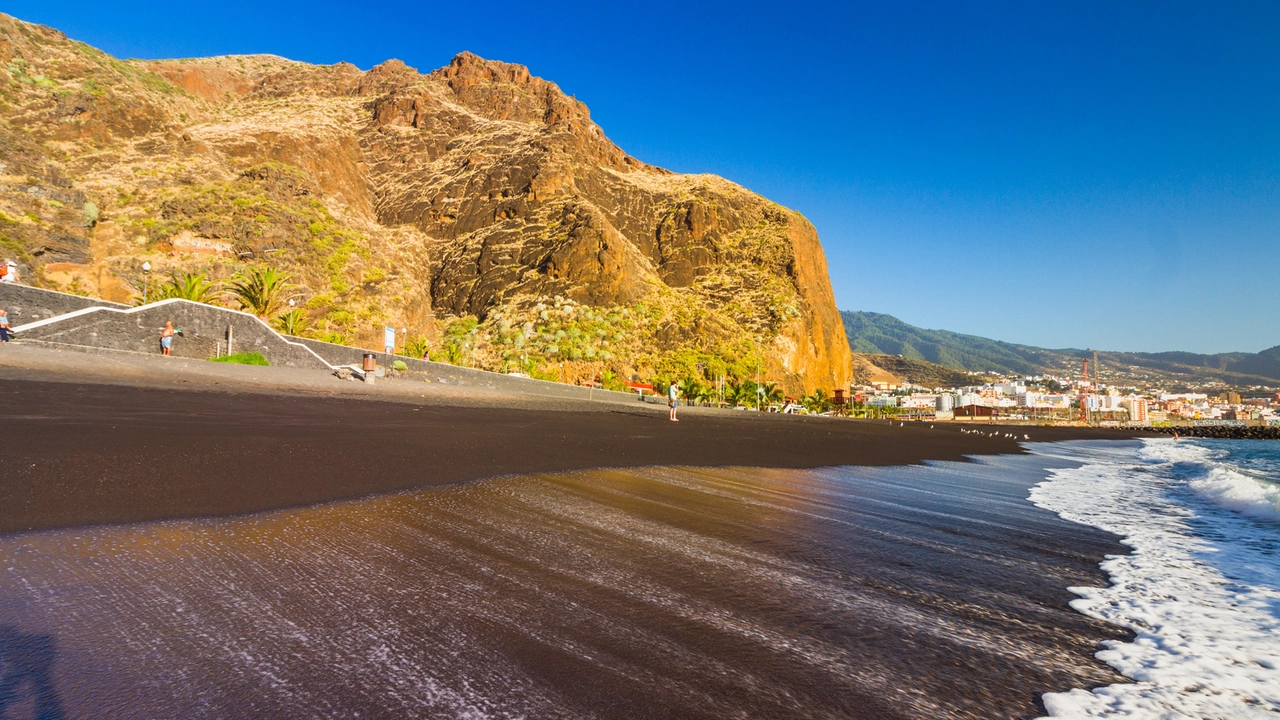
(872, 333)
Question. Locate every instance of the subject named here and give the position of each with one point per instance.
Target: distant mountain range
(874, 334)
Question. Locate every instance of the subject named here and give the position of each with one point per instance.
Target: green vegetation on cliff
(472, 207)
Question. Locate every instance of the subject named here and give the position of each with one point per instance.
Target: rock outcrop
(415, 200)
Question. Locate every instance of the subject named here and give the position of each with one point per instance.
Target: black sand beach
(692, 582)
(95, 439)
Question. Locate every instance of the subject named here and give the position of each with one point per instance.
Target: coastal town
(1046, 399)
(1034, 400)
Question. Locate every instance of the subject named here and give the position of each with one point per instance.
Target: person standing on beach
(673, 399)
(166, 339)
(4, 326)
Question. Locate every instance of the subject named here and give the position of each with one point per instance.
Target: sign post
(389, 339)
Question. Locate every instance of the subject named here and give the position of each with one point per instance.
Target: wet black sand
(80, 453)
(893, 592)
(713, 589)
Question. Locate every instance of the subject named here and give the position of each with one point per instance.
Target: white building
(1185, 397)
(920, 401)
(1010, 389)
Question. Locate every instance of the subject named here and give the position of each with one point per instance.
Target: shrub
(416, 347)
(295, 322)
(188, 286)
(337, 338)
(399, 365)
(242, 358)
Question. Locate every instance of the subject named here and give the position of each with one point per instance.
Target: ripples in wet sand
(903, 592)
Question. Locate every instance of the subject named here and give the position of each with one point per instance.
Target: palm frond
(260, 290)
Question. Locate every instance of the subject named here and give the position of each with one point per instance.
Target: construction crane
(1096, 367)
(1084, 401)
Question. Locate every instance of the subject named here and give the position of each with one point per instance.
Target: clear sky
(1054, 173)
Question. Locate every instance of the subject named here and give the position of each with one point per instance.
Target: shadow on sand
(26, 683)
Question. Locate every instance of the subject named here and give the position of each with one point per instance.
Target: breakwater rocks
(1225, 432)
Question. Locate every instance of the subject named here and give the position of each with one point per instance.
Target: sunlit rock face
(397, 197)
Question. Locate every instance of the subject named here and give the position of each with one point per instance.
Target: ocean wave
(1214, 477)
(1199, 588)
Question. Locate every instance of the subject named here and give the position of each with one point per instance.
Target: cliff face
(402, 198)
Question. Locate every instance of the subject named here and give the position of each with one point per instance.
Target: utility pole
(1084, 404)
(1096, 367)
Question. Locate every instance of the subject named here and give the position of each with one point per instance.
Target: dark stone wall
(204, 330)
(26, 304)
(1225, 432)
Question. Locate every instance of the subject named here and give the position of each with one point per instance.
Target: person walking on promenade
(4, 326)
(673, 399)
(166, 339)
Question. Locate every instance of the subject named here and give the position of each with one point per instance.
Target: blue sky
(1060, 174)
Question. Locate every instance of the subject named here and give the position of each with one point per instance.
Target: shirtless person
(166, 339)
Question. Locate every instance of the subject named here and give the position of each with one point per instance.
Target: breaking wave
(1201, 588)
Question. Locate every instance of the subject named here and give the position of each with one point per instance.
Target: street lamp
(759, 360)
(146, 275)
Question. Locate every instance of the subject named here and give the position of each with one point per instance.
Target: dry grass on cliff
(209, 165)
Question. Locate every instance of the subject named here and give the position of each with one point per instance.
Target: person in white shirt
(11, 272)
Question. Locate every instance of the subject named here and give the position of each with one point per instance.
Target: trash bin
(370, 362)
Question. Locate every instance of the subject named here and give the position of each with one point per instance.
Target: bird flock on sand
(996, 433)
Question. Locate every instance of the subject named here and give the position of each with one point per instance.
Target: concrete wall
(26, 304)
(204, 330)
(452, 374)
(112, 326)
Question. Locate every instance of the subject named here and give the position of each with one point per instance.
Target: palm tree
(295, 322)
(706, 394)
(771, 393)
(416, 347)
(818, 402)
(189, 286)
(693, 391)
(260, 290)
(450, 352)
(741, 393)
(610, 381)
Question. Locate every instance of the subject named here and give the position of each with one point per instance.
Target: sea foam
(1200, 590)
(1218, 476)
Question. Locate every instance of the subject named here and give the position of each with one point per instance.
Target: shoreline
(99, 440)
(941, 573)
(889, 592)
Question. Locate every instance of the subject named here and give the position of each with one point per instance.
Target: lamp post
(759, 360)
(146, 276)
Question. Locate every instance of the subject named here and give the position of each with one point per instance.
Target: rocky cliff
(476, 205)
